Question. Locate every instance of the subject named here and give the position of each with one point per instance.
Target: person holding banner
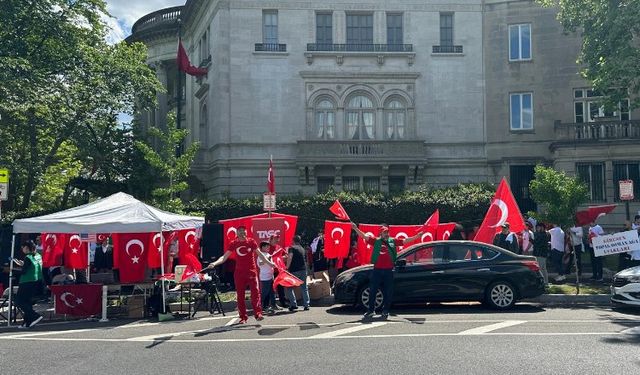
(595, 230)
(246, 253)
(383, 258)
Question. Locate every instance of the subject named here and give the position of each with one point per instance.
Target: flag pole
(162, 271)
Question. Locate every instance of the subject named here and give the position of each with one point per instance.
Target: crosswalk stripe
(491, 327)
(344, 331)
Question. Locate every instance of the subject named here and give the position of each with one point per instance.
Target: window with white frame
(325, 118)
(395, 114)
(360, 118)
(521, 105)
(270, 26)
(359, 30)
(520, 42)
(593, 175)
(587, 107)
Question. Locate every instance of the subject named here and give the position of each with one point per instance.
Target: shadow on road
(440, 308)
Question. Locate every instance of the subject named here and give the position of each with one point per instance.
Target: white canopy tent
(118, 213)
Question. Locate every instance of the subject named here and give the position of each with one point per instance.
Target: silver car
(625, 289)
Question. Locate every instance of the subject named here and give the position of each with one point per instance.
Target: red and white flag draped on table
(271, 179)
(503, 209)
(337, 209)
(445, 230)
(76, 252)
(591, 214)
(402, 232)
(337, 239)
(78, 300)
(184, 64)
(154, 252)
(364, 249)
(230, 226)
(53, 245)
(188, 243)
(130, 249)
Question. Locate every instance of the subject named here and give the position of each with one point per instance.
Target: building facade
(384, 96)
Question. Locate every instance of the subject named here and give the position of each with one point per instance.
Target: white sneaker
(560, 278)
(38, 319)
(22, 326)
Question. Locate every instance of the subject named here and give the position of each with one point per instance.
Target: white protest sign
(616, 243)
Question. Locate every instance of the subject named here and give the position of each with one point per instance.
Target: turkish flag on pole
(76, 253)
(591, 214)
(432, 221)
(153, 255)
(286, 279)
(401, 232)
(271, 180)
(339, 211)
(77, 300)
(130, 249)
(188, 243)
(503, 209)
(337, 239)
(52, 248)
(444, 230)
(185, 65)
(364, 249)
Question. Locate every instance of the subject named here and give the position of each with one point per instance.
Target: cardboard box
(319, 289)
(136, 306)
(179, 271)
(323, 275)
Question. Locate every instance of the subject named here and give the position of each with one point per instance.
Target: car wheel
(500, 295)
(363, 298)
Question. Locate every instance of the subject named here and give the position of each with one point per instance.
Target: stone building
(384, 96)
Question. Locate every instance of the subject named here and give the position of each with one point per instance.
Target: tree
(610, 54)
(175, 168)
(557, 195)
(63, 86)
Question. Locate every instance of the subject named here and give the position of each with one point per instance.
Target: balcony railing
(360, 150)
(595, 131)
(271, 47)
(351, 47)
(167, 16)
(447, 49)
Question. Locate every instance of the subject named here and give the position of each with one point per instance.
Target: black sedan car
(445, 271)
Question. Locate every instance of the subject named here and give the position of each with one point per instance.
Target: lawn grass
(584, 289)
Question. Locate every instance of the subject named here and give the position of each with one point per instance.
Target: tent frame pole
(13, 247)
(162, 277)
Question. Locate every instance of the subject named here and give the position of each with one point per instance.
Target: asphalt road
(435, 339)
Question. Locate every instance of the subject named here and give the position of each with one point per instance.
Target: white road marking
(34, 334)
(361, 327)
(231, 322)
(491, 327)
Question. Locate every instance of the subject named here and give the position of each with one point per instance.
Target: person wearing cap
(30, 283)
(506, 239)
(383, 258)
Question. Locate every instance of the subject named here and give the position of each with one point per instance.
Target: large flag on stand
(77, 300)
(337, 239)
(503, 209)
(290, 225)
(271, 179)
(76, 252)
(337, 209)
(591, 214)
(53, 245)
(364, 249)
(402, 232)
(154, 252)
(185, 65)
(230, 227)
(130, 250)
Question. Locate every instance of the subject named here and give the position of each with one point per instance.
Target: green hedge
(464, 203)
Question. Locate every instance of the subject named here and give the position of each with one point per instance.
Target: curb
(570, 299)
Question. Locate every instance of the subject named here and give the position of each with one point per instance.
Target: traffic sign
(4, 191)
(626, 190)
(4, 176)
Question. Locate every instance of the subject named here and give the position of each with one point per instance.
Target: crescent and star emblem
(339, 230)
(446, 235)
(232, 230)
(157, 237)
(368, 234)
(63, 298)
(134, 259)
(49, 244)
(75, 249)
(286, 224)
(401, 236)
(240, 253)
(425, 236)
(504, 212)
(188, 235)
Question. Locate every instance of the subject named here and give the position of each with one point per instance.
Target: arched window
(360, 118)
(325, 117)
(395, 115)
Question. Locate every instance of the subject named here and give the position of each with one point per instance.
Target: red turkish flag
(271, 180)
(290, 224)
(432, 221)
(286, 279)
(503, 209)
(52, 248)
(337, 239)
(153, 255)
(591, 214)
(444, 230)
(185, 65)
(230, 229)
(402, 232)
(76, 252)
(78, 300)
(130, 250)
(101, 237)
(364, 249)
(188, 243)
(337, 209)
(191, 261)
(430, 234)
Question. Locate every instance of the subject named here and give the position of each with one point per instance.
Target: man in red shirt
(245, 251)
(383, 258)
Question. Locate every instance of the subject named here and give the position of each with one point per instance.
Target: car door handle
(484, 269)
(437, 271)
